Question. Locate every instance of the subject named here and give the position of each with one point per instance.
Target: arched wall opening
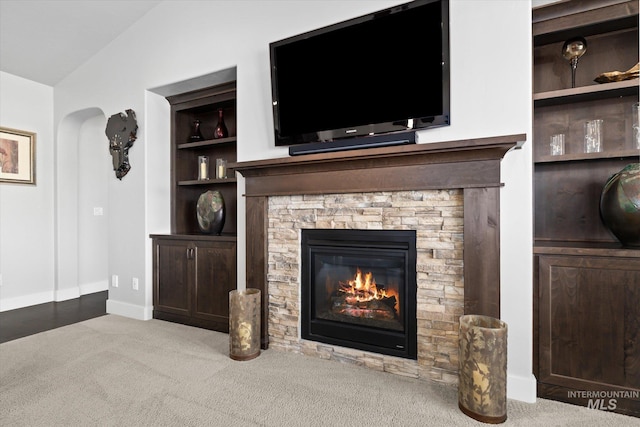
(82, 163)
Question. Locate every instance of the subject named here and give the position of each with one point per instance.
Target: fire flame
(363, 288)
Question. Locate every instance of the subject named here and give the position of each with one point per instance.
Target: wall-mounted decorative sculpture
(121, 131)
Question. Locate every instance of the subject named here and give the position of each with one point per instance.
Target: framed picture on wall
(17, 156)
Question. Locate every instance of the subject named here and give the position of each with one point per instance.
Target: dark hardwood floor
(26, 321)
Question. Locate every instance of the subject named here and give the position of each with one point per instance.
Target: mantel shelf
(385, 168)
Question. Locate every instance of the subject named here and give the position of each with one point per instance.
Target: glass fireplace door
(358, 289)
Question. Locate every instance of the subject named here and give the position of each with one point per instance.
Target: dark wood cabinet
(194, 272)
(193, 278)
(586, 285)
(589, 314)
(172, 277)
(589, 325)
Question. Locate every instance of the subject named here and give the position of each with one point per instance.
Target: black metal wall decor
(121, 131)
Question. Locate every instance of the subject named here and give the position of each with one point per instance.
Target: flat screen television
(370, 80)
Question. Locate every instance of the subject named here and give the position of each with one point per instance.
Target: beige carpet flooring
(115, 371)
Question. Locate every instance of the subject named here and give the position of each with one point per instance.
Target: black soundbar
(354, 143)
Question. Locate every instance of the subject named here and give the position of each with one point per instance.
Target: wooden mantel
(472, 165)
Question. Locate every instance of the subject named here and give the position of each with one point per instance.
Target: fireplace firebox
(359, 289)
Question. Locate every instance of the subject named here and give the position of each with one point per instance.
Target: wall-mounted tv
(371, 80)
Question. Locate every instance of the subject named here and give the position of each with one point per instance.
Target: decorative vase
(244, 324)
(221, 129)
(196, 134)
(620, 205)
(210, 212)
(482, 373)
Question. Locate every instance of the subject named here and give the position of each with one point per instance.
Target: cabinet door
(215, 277)
(172, 269)
(589, 317)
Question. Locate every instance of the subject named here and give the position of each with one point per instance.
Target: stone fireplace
(448, 193)
(436, 216)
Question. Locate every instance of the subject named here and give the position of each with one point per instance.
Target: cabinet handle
(190, 253)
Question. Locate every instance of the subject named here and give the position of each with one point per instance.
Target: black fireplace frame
(383, 341)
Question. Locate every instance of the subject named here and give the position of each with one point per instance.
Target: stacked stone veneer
(437, 217)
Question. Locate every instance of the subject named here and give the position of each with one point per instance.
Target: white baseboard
(52, 296)
(25, 301)
(125, 309)
(83, 289)
(66, 294)
(521, 388)
(92, 288)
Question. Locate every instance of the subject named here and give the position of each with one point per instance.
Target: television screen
(381, 73)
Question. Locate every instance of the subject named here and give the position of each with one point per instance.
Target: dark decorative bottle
(196, 135)
(221, 129)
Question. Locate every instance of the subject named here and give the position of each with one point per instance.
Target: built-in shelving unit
(193, 271)
(202, 105)
(586, 284)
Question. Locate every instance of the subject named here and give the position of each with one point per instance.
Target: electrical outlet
(98, 211)
(114, 281)
(134, 283)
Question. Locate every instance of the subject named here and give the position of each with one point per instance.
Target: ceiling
(46, 40)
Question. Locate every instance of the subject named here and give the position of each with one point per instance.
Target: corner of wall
(67, 294)
(132, 311)
(521, 388)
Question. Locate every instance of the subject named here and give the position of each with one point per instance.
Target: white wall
(93, 172)
(26, 211)
(76, 133)
(176, 41)
(30, 241)
(540, 3)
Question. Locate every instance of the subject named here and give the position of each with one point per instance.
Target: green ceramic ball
(620, 205)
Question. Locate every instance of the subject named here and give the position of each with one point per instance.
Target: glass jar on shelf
(221, 168)
(203, 168)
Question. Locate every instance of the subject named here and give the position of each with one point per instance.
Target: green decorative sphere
(620, 205)
(210, 212)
